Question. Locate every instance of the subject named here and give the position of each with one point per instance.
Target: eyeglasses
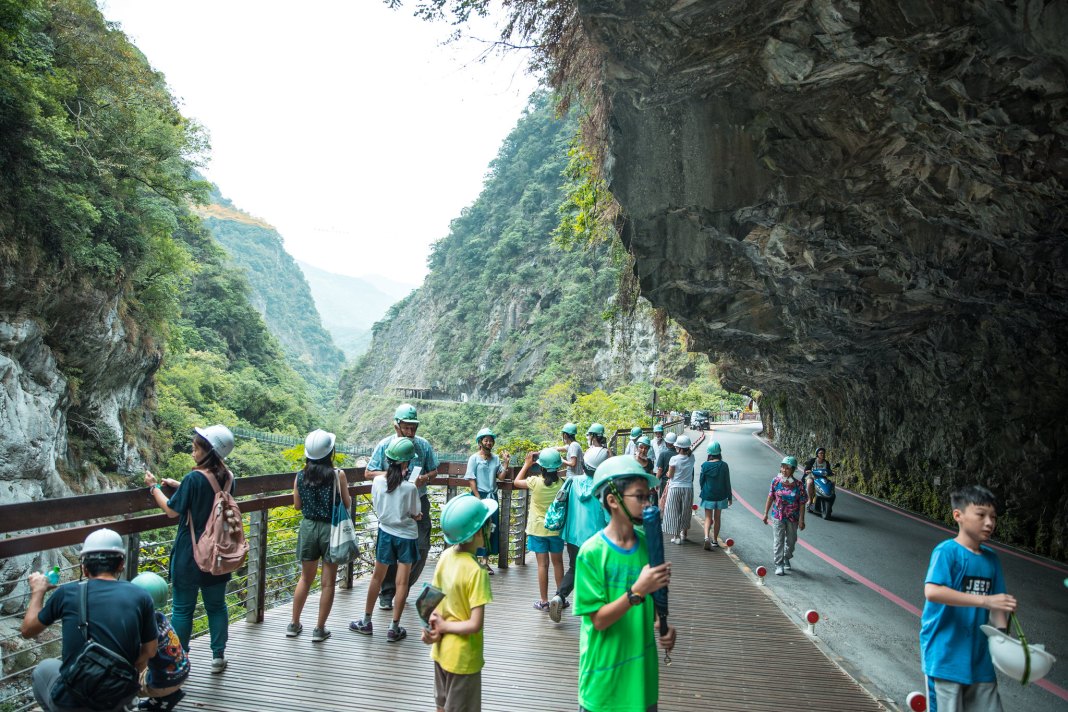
(649, 497)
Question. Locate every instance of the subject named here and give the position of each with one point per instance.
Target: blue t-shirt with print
(951, 645)
(424, 457)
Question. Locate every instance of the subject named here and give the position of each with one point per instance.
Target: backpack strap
(83, 609)
(214, 482)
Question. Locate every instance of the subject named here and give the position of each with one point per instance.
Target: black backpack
(98, 678)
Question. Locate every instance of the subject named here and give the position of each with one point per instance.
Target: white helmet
(670, 438)
(103, 541)
(318, 444)
(683, 441)
(220, 438)
(1008, 656)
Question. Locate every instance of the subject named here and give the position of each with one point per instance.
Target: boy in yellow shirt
(456, 626)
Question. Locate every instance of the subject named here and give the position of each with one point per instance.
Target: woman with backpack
(316, 491)
(194, 501)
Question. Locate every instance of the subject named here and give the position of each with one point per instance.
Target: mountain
(280, 292)
(334, 295)
(396, 290)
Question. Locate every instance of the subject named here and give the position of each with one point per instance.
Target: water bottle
(53, 576)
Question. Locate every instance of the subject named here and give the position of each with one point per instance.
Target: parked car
(699, 420)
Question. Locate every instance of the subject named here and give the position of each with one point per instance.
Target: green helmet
(658, 428)
(483, 433)
(635, 432)
(790, 460)
(595, 429)
(463, 515)
(549, 460)
(619, 467)
(570, 428)
(406, 414)
(714, 448)
(644, 440)
(155, 585)
(401, 450)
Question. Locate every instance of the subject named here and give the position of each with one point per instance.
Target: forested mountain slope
(335, 296)
(280, 292)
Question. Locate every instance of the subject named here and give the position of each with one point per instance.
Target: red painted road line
(897, 600)
(893, 598)
(928, 522)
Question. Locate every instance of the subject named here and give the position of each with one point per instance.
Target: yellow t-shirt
(466, 586)
(541, 496)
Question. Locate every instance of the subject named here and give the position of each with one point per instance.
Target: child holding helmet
(618, 662)
(316, 490)
(547, 545)
(193, 501)
(455, 628)
(786, 504)
(396, 504)
(483, 470)
(162, 678)
(716, 493)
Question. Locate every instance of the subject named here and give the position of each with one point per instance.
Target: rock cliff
(858, 209)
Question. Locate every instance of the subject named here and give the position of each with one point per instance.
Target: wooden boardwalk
(736, 650)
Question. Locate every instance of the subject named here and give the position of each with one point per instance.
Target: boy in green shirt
(618, 662)
(456, 625)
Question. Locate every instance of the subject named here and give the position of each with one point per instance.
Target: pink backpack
(222, 547)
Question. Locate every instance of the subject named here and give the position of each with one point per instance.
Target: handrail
(613, 443)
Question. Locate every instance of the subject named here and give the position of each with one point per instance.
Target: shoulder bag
(556, 515)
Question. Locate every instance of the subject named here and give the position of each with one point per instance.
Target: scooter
(823, 487)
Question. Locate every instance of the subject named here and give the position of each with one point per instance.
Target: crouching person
(161, 680)
(100, 666)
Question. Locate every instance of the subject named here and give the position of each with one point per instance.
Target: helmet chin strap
(623, 503)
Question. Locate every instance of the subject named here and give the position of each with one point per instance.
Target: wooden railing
(621, 435)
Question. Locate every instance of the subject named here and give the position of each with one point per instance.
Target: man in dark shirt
(121, 618)
(663, 461)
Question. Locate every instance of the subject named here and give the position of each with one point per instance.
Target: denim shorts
(545, 544)
(721, 504)
(396, 550)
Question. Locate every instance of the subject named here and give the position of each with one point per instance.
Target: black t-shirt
(121, 617)
(664, 460)
(195, 496)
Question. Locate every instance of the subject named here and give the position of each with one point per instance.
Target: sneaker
(361, 627)
(293, 630)
(708, 545)
(319, 635)
(714, 543)
(675, 540)
(394, 635)
(556, 604)
(217, 665)
(786, 566)
(385, 604)
(567, 604)
(541, 605)
(780, 571)
(162, 704)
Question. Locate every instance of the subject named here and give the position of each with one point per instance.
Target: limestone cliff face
(75, 378)
(858, 209)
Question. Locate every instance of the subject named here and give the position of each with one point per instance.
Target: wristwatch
(633, 598)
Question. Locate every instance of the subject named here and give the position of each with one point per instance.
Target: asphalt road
(864, 570)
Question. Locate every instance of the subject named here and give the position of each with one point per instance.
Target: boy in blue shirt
(964, 586)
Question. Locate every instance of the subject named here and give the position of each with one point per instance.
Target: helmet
(570, 428)
(644, 440)
(595, 429)
(103, 541)
(483, 433)
(670, 438)
(219, 437)
(549, 460)
(463, 515)
(635, 432)
(683, 441)
(155, 585)
(714, 448)
(401, 450)
(790, 460)
(619, 467)
(406, 414)
(1008, 656)
(658, 428)
(318, 444)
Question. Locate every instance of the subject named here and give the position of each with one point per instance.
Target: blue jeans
(185, 603)
(495, 520)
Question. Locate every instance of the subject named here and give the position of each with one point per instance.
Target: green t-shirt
(618, 667)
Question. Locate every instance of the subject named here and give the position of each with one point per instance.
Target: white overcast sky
(348, 126)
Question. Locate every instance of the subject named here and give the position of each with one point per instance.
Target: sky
(352, 128)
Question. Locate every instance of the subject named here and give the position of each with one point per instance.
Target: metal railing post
(504, 526)
(350, 568)
(133, 556)
(256, 581)
(521, 539)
